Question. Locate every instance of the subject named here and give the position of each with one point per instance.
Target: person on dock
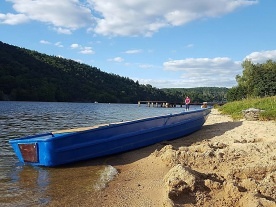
(187, 103)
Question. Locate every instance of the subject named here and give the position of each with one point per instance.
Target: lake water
(22, 185)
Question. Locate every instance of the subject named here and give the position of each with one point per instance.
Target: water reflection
(29, 186)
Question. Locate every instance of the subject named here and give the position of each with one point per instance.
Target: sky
(164, 43)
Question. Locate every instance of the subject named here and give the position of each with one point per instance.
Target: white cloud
(190, 45)
(62, 14)
(188, 83)
(116, 59)
(45, 42)
(142, 17)
(75, 46)
(199, 64)
(120, 17)
(133, 51)
(198, 72)
(60, 30)
(78, 60)
(13, 19)
(261, 57)
(58, 44)
(83, 50)
(146, 66)
(87, 50)
(206, 72)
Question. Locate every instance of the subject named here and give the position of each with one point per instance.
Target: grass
(234, 109)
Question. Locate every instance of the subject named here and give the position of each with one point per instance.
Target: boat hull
(54, 149)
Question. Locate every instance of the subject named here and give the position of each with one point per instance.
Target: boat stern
(31, 150)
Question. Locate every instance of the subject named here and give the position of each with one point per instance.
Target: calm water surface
(22, 185)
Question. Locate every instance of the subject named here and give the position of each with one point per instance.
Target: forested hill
(31, 76)
(27, 75)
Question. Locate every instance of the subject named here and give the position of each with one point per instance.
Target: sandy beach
(226, 163)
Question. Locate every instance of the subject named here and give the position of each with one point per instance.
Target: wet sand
(226, 163)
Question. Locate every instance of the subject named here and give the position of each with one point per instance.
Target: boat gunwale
(121, 136)
(52, 135)
(110, 125)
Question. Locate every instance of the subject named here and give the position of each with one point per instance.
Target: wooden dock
(164, 104)
(167, 104)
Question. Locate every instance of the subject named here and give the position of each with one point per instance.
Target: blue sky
(168, 44)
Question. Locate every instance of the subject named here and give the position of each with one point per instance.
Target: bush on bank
(234, 109)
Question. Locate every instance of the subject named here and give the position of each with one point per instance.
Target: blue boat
(67, 146)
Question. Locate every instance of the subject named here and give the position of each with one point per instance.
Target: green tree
(257, 80)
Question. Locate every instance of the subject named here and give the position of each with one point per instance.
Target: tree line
(27, 75)
(199, 94)
(257, 80)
